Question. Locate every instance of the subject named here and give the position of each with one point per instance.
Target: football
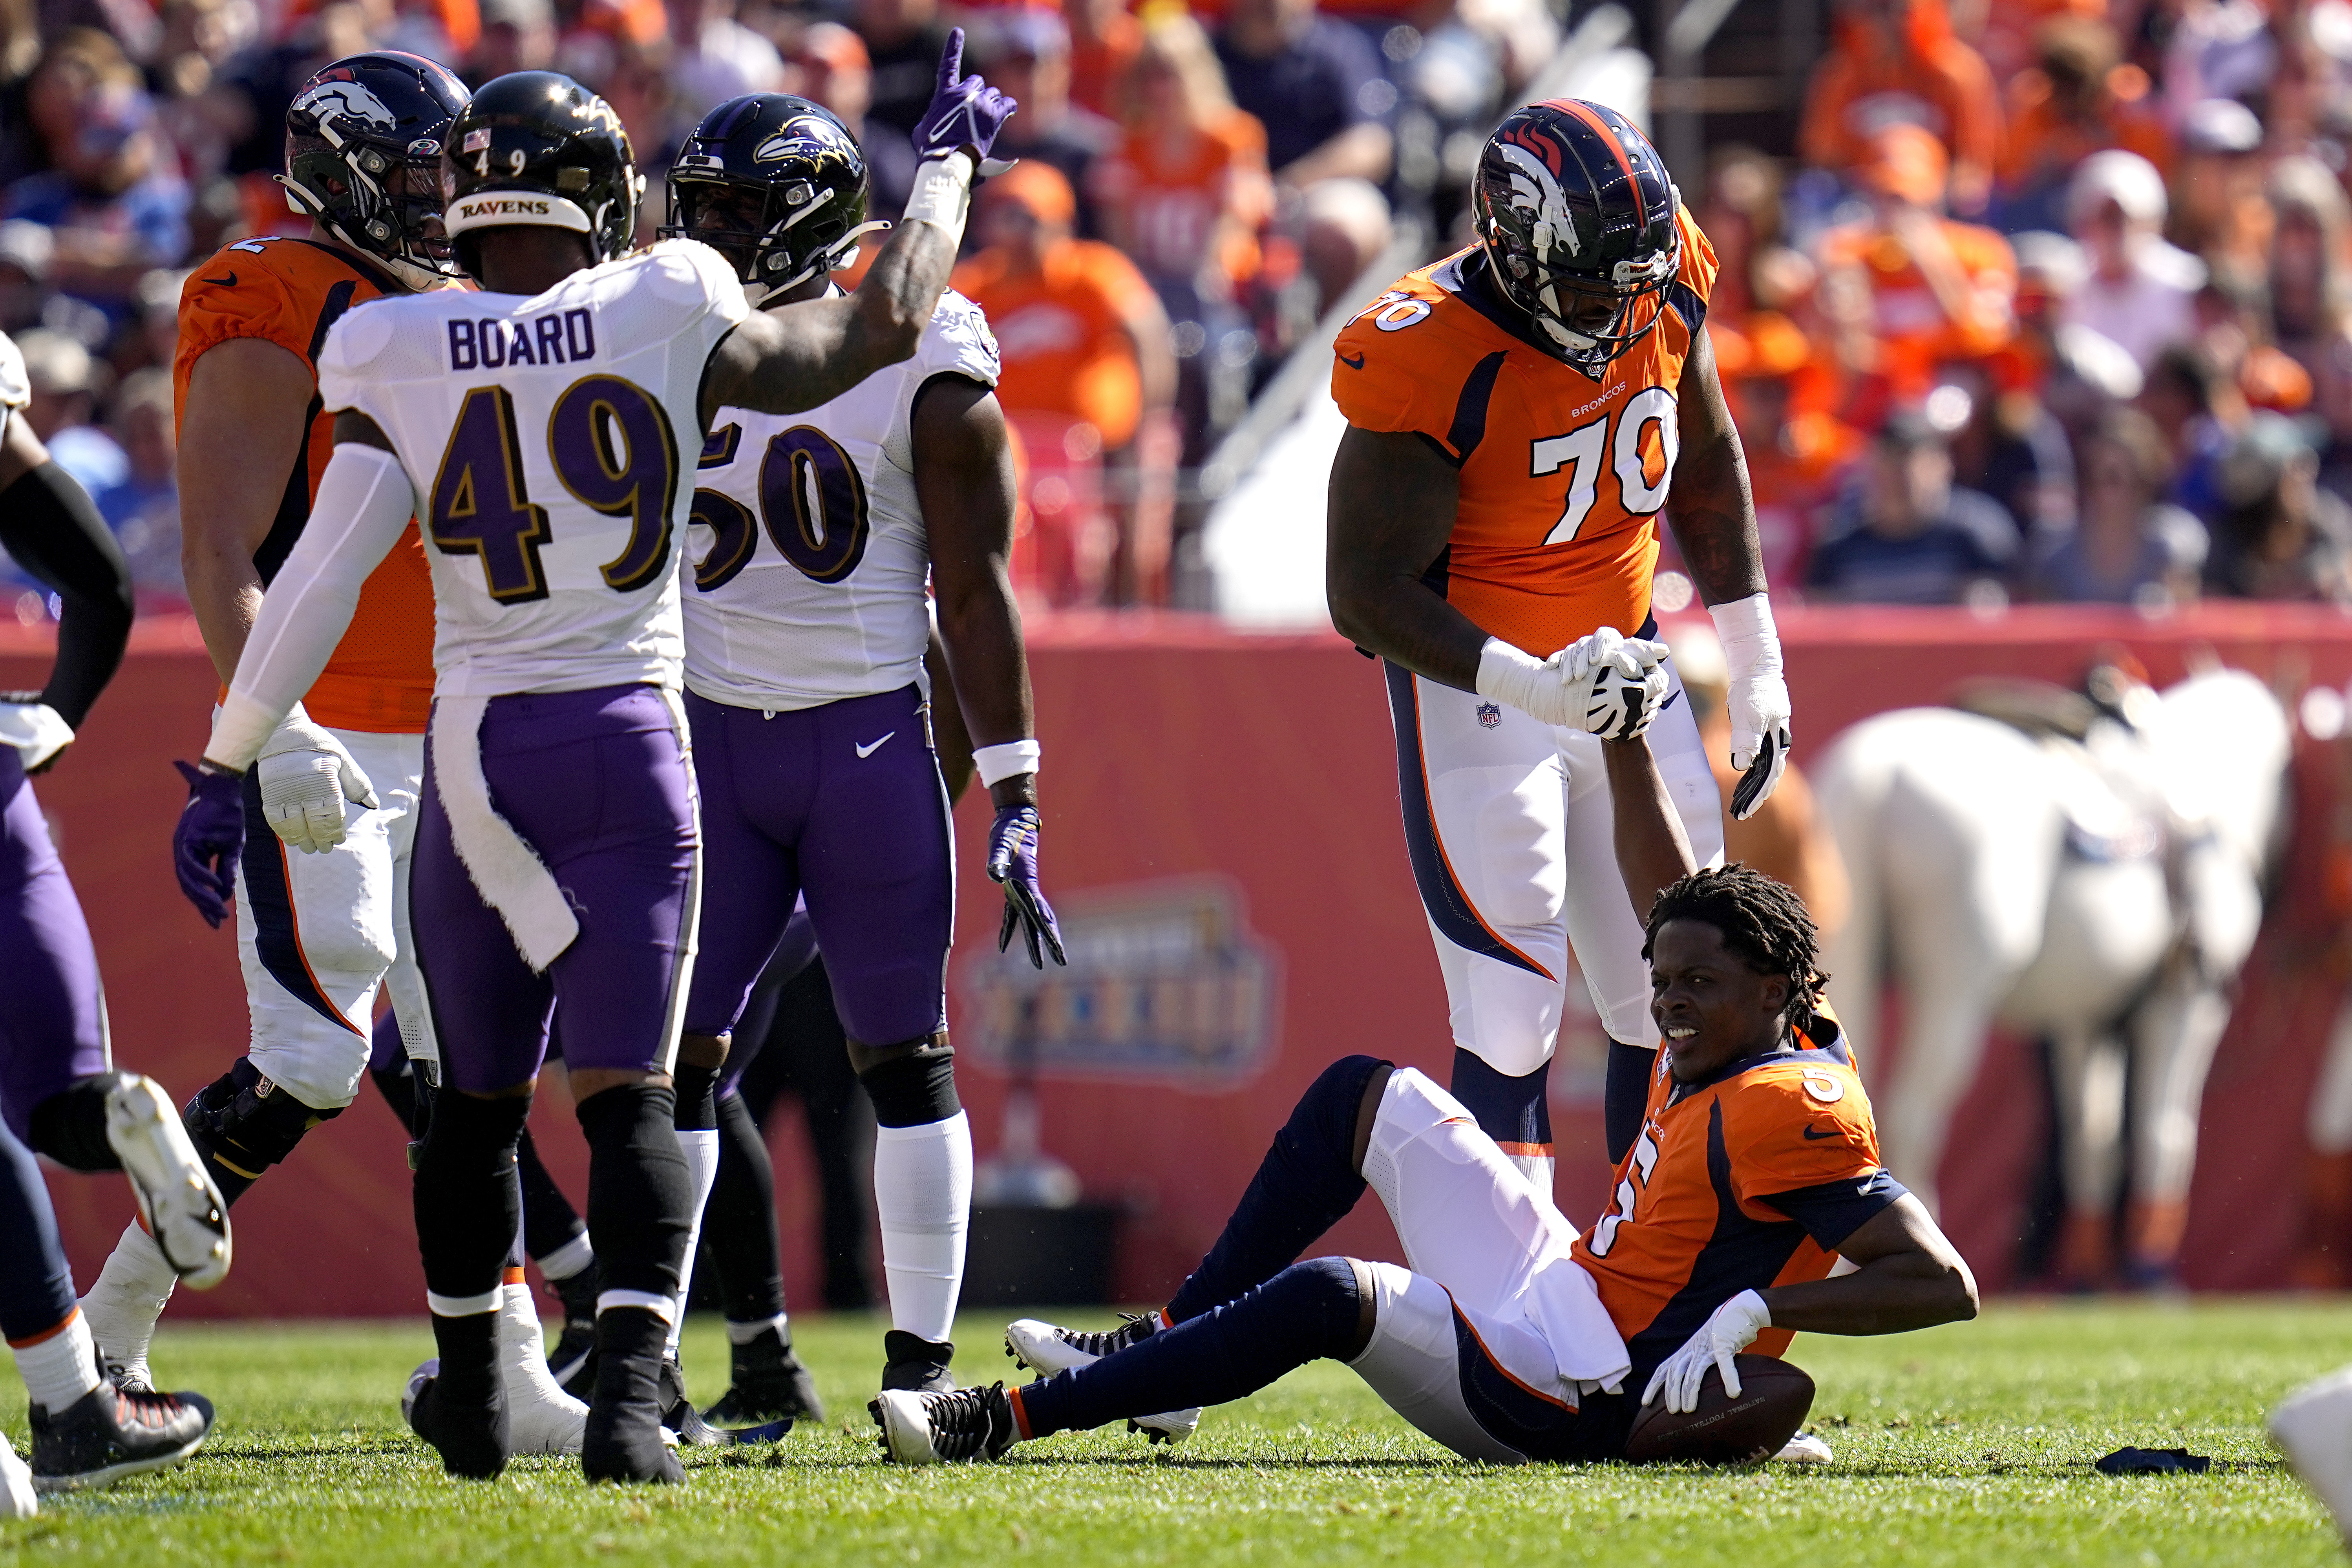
(1774, 1399)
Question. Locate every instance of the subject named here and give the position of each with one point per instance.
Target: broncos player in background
(806, 624)
(1510, 1338)
(331, 806)
(1517, 414)
(547, 424)
(59, 1093)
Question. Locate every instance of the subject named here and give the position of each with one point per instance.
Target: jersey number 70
(611, 446)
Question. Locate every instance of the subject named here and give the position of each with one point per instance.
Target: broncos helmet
(777, 185)
(535, 149)
(364, 141)
(1576, 214)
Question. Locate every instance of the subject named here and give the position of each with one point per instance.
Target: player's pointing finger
(951, 61)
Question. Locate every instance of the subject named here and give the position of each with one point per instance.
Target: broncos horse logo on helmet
(1576, 215)
(363, 158)
(537, 149)
(777, 185)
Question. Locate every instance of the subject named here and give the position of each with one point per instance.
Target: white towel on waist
(507, 872)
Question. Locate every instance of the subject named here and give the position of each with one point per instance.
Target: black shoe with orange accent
(111, 1433)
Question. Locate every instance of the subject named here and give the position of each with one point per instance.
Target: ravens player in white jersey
(540, 431)
(805, 629)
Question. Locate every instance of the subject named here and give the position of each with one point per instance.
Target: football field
(1971, 1444)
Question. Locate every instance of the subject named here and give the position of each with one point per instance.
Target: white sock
(701, 1151)
(541, 1417)
(61, 1365)
(744, 1333)
(129, 1295)
(922, 1192)
(567, 1259)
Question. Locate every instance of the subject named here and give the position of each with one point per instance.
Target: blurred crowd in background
(2054, 302)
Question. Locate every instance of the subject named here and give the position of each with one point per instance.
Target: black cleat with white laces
(1049, 1348)
(111, 1433)
(967, 1425)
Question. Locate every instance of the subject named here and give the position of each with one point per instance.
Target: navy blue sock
(1515, 1112)
(37, 1289)
(1305, 1314)
(1304, 1186)
(1625, 1097)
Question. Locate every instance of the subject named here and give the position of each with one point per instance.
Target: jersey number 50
(610, 445)
(813, 504)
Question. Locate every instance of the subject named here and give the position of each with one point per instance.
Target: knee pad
(70, 1126)
(1322, 1126)
(246, 1123)
(1320, 1303)
(914, 1090)
(1513, 1111)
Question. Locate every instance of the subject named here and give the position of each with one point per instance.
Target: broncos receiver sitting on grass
(1510, 1337)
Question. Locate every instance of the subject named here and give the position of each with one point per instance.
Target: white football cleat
(1805, 1449)
(964, 1425)
(183, 1208)
(541, 1417)
(2313, 1424)
(17, 1498)
(1048, 1349)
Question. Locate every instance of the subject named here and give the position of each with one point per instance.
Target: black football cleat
(678, 1412)
(770, 1384)
(470, 1435)
(961, 1426)
(573, 1361)
(623, 1439)
(111, 1433)
(913, 1364)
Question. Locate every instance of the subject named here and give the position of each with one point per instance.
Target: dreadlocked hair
(1761, 920)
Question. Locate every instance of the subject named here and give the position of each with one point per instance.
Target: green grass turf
(1969, 1444)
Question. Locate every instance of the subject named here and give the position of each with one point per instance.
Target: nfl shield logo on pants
(1489, 715)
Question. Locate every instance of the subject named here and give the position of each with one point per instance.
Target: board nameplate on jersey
(560, 337)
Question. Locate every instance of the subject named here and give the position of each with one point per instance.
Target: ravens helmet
(364, 142)
(777, 185)
(536, 149)
(1576, 214)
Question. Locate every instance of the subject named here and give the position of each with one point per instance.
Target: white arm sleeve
(365, 501)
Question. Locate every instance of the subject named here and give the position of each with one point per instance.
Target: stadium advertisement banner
(1222, 835)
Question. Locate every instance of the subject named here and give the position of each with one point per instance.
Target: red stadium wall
(1224, 834)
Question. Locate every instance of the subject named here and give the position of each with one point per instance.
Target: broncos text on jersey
(1562, 476)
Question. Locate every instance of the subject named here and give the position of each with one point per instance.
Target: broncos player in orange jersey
(1517, 415)
(322, 895)
(1510, 1337)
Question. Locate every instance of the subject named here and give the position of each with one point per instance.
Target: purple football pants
(52, 1015)
(841, 804)
(599, 783)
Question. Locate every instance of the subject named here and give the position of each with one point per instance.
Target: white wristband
(1752, 644)
(1010, 760)
(1507, 673)
(942, 192)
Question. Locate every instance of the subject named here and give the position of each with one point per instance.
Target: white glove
(1732, 1329)
(306, 778)
(1605, 683)
(1759, 702)
(37, 731)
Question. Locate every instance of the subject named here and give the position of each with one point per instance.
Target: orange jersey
(1062, 335)
(1747, 1180)
(289, 293)
(1172, 206)
(1562, 476)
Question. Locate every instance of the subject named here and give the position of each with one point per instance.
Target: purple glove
(964, 116)
(208, 839)
(1012, 862)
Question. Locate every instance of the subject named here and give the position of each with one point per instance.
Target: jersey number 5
(813, 504)
(1628, 1195)
(611, 446)
(1580, 450)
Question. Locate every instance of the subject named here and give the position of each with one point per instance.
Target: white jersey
(550, 442)
(15, 385)
(810, 552)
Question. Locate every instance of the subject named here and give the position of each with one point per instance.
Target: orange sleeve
(1395, 381)
(258, 303)
(1782, 1134)
(1700, 267)
(1976, 107)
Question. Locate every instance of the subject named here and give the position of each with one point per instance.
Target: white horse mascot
(2088, 873)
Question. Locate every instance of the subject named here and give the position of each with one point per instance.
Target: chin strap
(840, 256)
